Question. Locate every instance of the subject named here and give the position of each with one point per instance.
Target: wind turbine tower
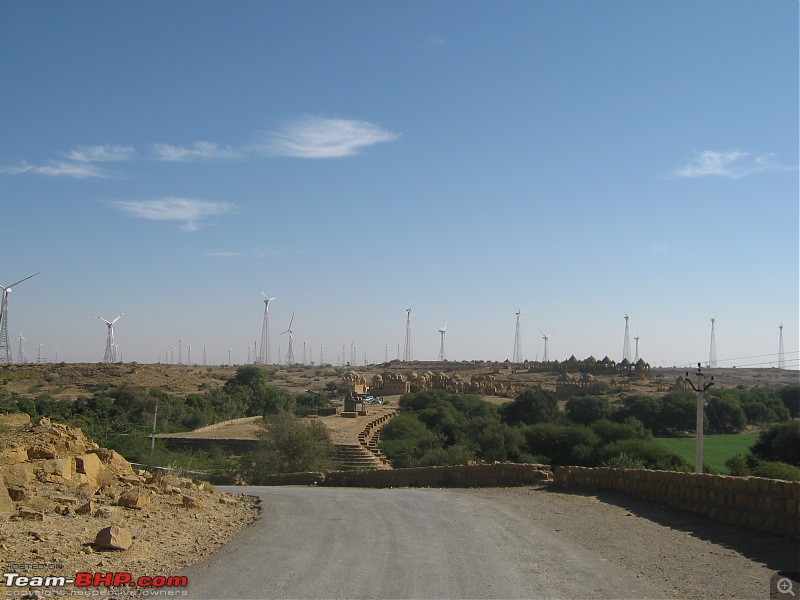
(290, 351)
(546, 338)
(781, 355)
(517, 356)
(21, 352)
(265, 356)
(408, 351)
(626, 346)
(109, 356)
(636, 339)
(6, 356)
(712, 352)
(442, 347)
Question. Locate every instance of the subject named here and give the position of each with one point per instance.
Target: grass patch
(716, 448)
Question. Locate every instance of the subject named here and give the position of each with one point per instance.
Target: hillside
(71, 380)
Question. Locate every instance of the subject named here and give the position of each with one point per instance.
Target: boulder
(19, 475)
(191, 502)
(113, 538)
(63, 468)
(90, 467)
(135, 497)
(6, 504)
(106, 512)
(115, 461)
(86, 509)
(42, 451)
(12, 455)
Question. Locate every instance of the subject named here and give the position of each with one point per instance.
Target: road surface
(402, 543)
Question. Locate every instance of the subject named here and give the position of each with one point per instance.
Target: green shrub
(780, 443)
(651, 454)
(777, 470)
(737, 465)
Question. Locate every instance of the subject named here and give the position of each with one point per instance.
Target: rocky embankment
(68, 505)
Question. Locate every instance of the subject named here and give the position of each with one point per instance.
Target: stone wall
(765, 504)
(494, 475)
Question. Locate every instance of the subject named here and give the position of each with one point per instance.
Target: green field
(716, 448)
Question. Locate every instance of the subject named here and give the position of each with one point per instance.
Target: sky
(573, 161)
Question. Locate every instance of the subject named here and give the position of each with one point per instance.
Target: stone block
(90, 466)
(113, 538)
(6, 504)
(135, 497)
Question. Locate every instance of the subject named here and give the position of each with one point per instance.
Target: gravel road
(489, 543)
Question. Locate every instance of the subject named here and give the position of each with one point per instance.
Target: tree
(727, 415)
(678, 411)
(288, 444)
(779, 443)
(535, 405)
(585, 410)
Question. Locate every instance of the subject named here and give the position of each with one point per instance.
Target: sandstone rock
(63, 510)
(113, 538)
(42, 451)
(106, 512)
(30, 514)
(135, 497)
(86, 509)
(191, 502)
(19, 475)
(6, 504)
(90, 466)
(115, 461)
(63, 468)
(13, 455)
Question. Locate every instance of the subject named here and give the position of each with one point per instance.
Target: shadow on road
(775, 552)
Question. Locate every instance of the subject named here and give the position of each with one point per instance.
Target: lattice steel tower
(517, 356)
(6, 356)
(546, 338)
(626, 346)
(290, 352)
(442, 345)
(712, 351)
(264, 354)
(408, 352)
(110, 355)
(781, 355)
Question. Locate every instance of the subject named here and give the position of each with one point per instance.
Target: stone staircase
(365, 454)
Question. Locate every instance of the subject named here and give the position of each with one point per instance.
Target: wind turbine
(546, 338)
(290, 351)
(408, 352)
(442, 348)
(265, 356)
(110, 342)
(517, 356)
(21, 352)
(5, 347)
(626, 346)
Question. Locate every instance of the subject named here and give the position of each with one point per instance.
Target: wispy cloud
(732, 164)
(223, 254)
(197, 151)
(434, 41)
(78, 170)
(188, 211)
(101, 153)
(79, 163)
(318, 137)
(306, 137)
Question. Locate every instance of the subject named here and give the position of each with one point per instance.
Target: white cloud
(733, 164)
(198, 151)
(318, 137)
(187, 210)
(78, 170)
(101, 153)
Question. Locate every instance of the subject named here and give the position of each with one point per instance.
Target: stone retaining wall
(494, 475)
(221, 424)
(765, 504)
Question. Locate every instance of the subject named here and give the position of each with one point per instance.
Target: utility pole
(153, 437)
(700, 389)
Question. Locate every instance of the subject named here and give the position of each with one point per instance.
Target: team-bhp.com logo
(95, 580)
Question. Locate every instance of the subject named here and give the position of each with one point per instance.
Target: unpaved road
(491, 543)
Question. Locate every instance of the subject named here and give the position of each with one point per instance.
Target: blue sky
(573, 160)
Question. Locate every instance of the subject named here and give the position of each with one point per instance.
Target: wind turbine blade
(290, 322)
(21, 280)
(118, 318)
(103, 320)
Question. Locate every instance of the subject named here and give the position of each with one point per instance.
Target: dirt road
(495, 543)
